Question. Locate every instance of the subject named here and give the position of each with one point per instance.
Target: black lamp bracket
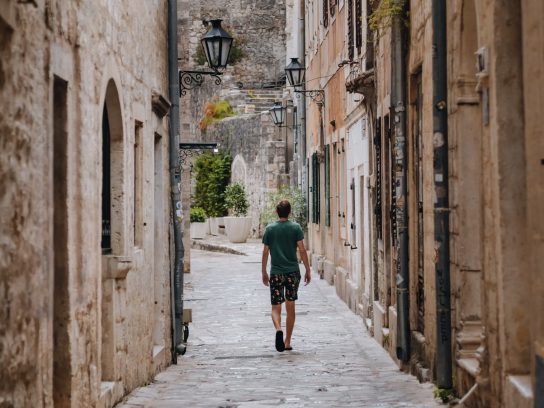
(316, 95)
(191, 79)
(188, 150)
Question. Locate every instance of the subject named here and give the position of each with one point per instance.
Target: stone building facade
(493, 187)
(251, 85)
(84, 259)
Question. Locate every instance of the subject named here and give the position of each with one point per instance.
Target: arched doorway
(112, 241)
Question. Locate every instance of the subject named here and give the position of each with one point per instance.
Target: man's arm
(264, 262)
(304, 257)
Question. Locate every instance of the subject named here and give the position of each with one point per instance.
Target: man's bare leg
(290, 321)
(276, 316)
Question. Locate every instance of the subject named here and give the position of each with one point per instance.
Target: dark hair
(283, 209)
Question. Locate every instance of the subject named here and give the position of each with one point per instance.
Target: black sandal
(280, 345)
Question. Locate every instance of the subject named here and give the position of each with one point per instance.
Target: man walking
(281, 239)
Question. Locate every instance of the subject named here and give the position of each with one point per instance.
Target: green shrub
(236, 200)
(212, 175)
(197, 214)
(298, 205)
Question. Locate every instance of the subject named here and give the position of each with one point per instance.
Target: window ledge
(470, 365)
(110, 393)
(522, 386)
(115, 266)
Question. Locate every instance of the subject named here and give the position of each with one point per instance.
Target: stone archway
(112, 242)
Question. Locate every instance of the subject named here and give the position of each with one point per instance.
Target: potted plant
(199, 224)
(237, 225)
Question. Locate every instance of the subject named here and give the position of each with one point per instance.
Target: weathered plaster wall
(84, 45)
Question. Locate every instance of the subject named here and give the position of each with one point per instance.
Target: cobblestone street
(231, 360)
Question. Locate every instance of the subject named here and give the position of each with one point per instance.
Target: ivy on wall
(383, 12)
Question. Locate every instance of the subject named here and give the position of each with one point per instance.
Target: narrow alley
(231, 360)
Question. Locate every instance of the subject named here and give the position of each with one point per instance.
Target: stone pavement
(231, 360)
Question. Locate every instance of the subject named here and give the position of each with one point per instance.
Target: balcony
(361, 81)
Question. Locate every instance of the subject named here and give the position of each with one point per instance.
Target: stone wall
(260, 25)
(78, 328)
(258, 150)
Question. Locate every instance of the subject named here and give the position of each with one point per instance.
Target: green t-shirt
(282, 237)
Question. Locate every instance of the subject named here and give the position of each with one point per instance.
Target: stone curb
(204, 246)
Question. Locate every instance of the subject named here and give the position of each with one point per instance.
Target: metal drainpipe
(302, 52)
(441, 206)
(176, 275)
(399, 107)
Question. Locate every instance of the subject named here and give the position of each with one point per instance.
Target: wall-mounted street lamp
(216, 44)
(295, 72)
(277, 112)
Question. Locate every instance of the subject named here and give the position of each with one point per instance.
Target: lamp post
(217, 44)
(295, 73)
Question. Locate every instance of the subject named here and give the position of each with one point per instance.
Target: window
(351, 50)
(378, 150)
(369, 55)
(315, 189)
(106, 183)
(332, 6)
(358, 25)
(138, 183)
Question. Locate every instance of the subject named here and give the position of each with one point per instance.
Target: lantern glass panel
(295, 72)
(277, 112)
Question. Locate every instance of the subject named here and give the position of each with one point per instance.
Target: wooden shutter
(359, 25)
(378, 150)
(351, 50)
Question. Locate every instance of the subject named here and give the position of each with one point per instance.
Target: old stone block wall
(258, 151)
(259, 25)
(63, 305)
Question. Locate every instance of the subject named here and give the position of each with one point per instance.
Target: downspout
(176, 275)
(441, 206)
(398, 97)
(302, 101)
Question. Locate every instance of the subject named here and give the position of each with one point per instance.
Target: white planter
(199, 230)
(215, 222)
(237, 228)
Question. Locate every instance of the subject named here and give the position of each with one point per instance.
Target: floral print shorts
(284, 286)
